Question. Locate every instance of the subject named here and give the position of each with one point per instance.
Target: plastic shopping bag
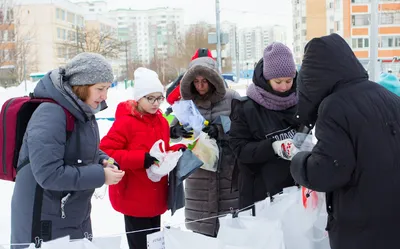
(167, 161)
(315, 205)
(189, 116)
(302, 219)
(206, 149)
(177, 239)
(304, 141)
(248, 232)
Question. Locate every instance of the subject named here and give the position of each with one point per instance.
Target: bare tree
(16, 54)
(196, 37)
(95, 41)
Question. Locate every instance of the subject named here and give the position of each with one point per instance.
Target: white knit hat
(146, 82)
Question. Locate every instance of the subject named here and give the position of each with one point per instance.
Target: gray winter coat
(209, 193)
(67, 171)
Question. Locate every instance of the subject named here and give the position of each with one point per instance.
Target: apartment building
(92, 7)
(389, 32)
(311, 18)
(45, 27)
(54, 31)
(150, 33)
(7, 44)
(351, 20)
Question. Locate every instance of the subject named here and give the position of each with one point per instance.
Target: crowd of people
(355, 161)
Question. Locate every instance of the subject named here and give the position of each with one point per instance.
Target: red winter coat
(131, 136)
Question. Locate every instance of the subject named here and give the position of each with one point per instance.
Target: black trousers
(139, 240)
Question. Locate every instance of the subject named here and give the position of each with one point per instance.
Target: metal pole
(77, 39)
(374, 26)
(218, 33)
(126, 60)
(26, 87)
(237, 55)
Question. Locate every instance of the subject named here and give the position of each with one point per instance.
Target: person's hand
(211, 130)
(285, 149)
(178, 131)
(113, 176)
(149, 160)
(106, 164)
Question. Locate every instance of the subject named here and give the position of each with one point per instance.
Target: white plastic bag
(303, 141)
(303, 220)
(167, 161)
(248, 232)
(206, 149)
(189, 116)
(177, 239)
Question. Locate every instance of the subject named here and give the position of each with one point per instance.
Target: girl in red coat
(138, 125)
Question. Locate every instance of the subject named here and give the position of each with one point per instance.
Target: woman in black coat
(266, 115)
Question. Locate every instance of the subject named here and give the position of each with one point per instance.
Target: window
(71, 17)
(390, 18)
(360, 43)
(390, 41)
(337, 25)
(361, 1)
(337, 4)
(360, 20)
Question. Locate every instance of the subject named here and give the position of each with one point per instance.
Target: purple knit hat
(278, 62)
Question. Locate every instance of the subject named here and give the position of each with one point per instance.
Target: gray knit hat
(88, 69)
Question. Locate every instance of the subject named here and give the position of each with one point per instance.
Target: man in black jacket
(357, 158)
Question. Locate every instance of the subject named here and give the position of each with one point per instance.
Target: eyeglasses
(153, 100)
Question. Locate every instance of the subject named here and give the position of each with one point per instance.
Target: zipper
(63, 202)
(97, 139)
(5, 135)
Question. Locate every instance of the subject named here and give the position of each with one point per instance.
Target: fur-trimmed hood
(207, 68)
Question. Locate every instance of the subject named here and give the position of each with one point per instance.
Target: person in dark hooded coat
(356, 160)
(208, 193)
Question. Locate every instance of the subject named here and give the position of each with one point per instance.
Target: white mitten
(285, 149)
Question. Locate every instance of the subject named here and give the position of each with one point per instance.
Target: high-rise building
(7, 43)
(311, 18)
(350, 19)
(278, 34)
(252, 42)
(358, 22)
(92, 6)
(149, 33)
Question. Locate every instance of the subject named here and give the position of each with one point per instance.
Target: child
(138, 125)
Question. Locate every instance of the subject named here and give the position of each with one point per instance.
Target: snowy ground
(105, 220)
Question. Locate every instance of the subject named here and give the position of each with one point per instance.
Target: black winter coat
(253, 130)
(357, 157)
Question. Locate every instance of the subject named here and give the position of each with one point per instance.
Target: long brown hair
(82, 92)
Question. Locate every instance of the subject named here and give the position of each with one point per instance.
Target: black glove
(212, 131)
(149, 160)
(178, 131)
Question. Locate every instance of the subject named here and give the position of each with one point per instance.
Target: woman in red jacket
(138, 125)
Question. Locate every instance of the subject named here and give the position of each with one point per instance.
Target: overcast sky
(243, 12)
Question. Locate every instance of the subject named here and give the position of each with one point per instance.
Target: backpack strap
(70, 119)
